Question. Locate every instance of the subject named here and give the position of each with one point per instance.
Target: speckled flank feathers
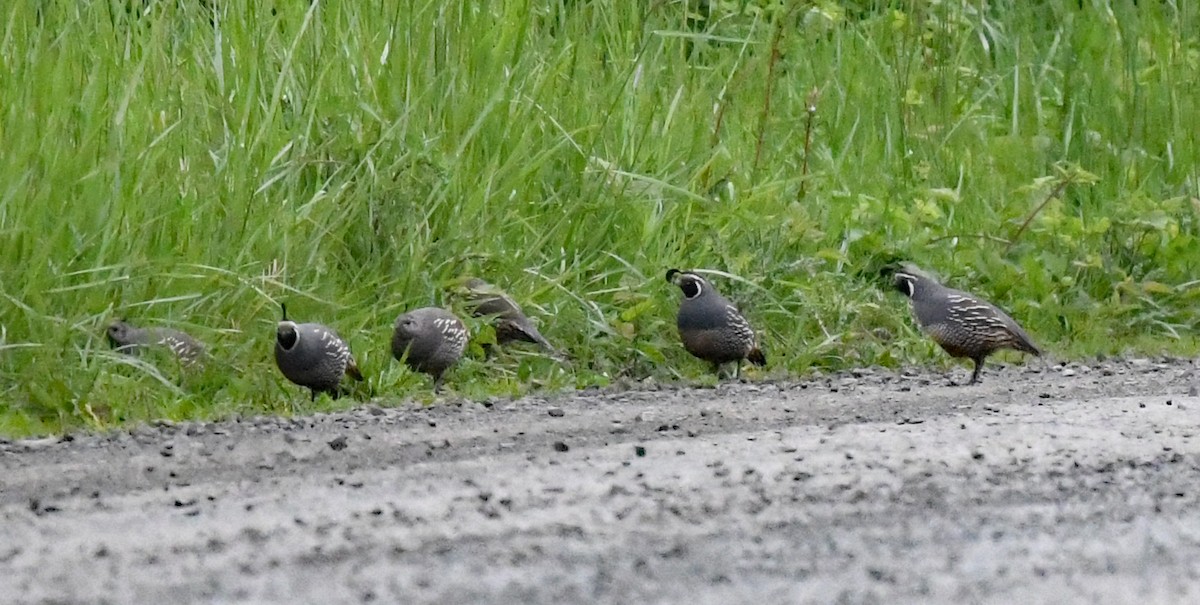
(313, 356)
(429, 340)
(710, 326)
(127, 338)
(962, 324)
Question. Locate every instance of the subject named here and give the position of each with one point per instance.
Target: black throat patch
(286, 336)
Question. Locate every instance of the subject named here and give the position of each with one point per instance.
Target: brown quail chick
(962, 324)
(711, 327)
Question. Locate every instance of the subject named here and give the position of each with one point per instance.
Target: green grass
(178, 165)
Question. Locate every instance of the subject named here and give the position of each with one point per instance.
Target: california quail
(429, 340)
(711, 327)
(508, 319)
(962, 324)
(129, 339)
(313, 356)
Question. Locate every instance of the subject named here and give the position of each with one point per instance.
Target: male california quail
(313, 356)
(508, 319)
(711, 327)
(129, 339)
(964, 325)
(429, 340)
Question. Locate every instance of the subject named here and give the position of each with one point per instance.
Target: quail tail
(553, 352)
(757, 357)
(353, 371)
(1022, 342)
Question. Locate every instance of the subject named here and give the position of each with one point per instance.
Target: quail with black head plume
(313, 356)
(711, 327)
(964, 325)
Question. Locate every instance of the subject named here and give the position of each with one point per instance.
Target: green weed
(194, 163)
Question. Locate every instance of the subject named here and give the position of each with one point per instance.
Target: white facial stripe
(290, 327)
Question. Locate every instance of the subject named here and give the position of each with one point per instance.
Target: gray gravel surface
(1051, 484)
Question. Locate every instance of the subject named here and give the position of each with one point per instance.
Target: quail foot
(313, 356)
(429, 340)
(711, 327)
(962, 324)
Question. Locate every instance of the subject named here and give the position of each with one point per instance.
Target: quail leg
(978, 369)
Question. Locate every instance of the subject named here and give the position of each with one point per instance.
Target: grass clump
(194, 163)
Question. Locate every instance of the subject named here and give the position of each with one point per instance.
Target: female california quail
(508, 319)
(962, 324)
(313, 356)
(129, 339)
(711, 327)
(429, 340)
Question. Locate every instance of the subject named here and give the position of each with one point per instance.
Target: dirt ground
(1045, 484)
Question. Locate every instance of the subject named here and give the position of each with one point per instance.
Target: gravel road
(1047, 483)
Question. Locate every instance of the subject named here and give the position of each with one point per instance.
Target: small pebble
(560, 446)
(556, 412)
